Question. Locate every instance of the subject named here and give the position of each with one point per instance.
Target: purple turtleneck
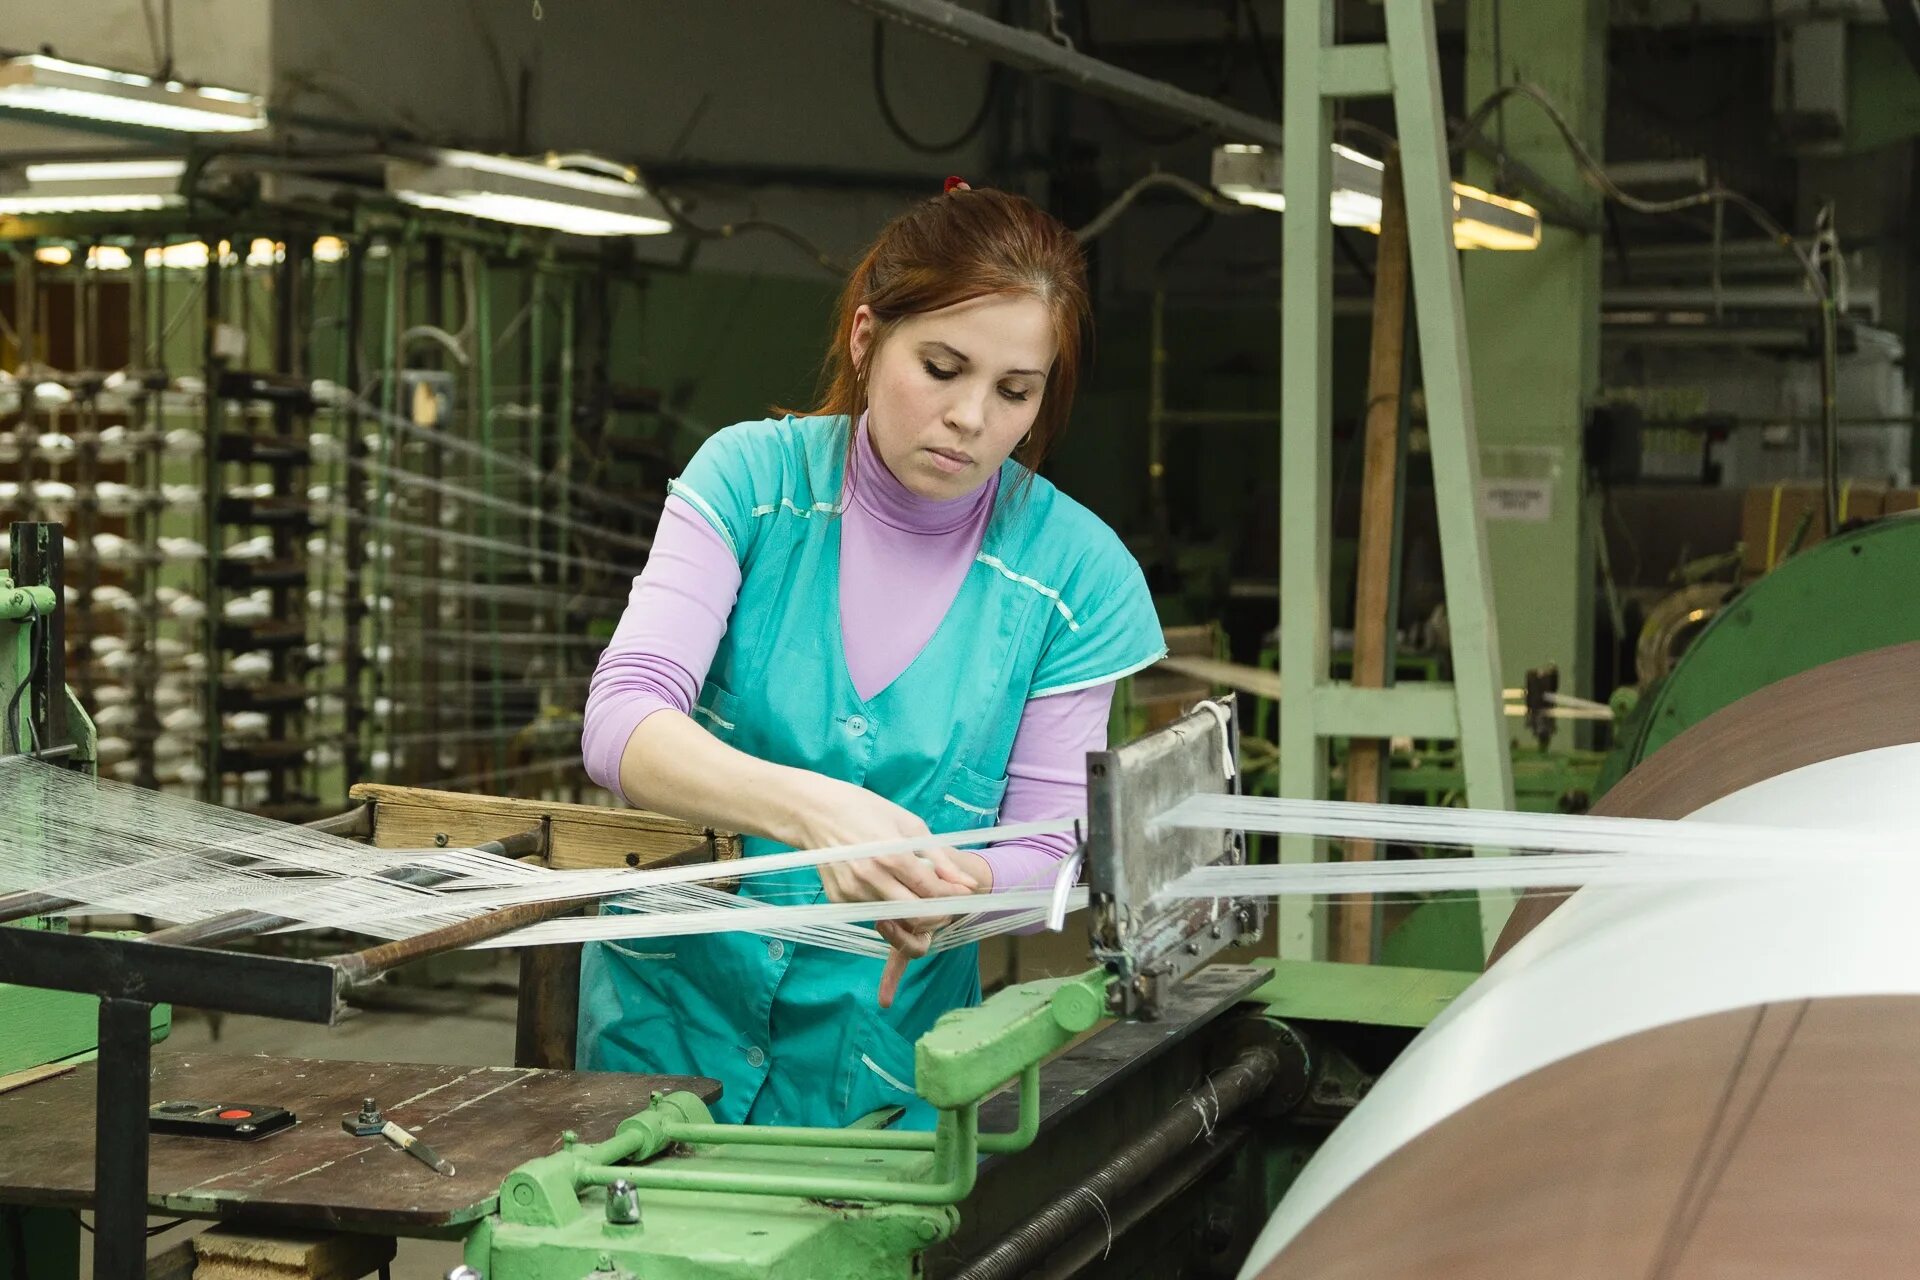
(902, 560)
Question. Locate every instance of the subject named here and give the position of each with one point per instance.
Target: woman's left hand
(911, 939)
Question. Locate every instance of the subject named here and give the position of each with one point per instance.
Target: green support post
(1313, 708)
(1306, 446)
(489, 482)
(1536, 318)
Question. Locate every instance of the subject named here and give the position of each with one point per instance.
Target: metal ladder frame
(1313, 707)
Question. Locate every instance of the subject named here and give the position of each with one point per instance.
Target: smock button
(776, 949)
(755, 1057)
(856, 725)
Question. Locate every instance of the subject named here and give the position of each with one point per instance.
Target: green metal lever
(18, 603)
(965, 1056)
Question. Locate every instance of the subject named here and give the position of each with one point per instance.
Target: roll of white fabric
(1615, 961)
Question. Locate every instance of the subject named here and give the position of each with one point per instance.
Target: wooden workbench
(485, 1121)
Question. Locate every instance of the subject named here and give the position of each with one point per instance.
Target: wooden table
(486, 1121)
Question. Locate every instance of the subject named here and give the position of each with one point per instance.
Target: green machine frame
(1846, 595)
(44, 720)
(673, 1196)
(1320, 73)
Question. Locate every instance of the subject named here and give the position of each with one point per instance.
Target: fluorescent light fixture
(526, 194)
(93, 186)
(1481, 220)
(35, 82)
(191, 255)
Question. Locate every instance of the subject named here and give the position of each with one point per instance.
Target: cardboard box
(1769, 515)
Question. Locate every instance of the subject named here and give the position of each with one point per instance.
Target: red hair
(956, 247)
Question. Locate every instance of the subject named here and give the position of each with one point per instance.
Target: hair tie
(954, 183)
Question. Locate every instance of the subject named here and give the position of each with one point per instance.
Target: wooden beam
(227, 1254)
(580, 835)
(1353, 935)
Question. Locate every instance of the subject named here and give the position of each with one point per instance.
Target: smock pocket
(718, 712)
(627, 1016)
(878, 1072)
(971, 801)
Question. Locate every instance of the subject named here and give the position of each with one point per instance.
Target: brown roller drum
(1855, 704)
(1773, 1142)
(1713, 1149)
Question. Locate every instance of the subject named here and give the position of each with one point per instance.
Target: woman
(867, 622)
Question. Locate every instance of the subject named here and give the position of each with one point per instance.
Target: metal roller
(1668, 1082)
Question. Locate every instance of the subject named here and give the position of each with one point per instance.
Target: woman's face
(953, 392)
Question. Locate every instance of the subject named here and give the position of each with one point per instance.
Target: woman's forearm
(673, 766)
(665, 642)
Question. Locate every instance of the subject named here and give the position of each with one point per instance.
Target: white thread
(1065, 877)
(1220, 713)
(1105, 1217)
(1199, 1105)
(112, 848)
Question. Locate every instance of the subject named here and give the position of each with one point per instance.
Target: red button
(235, 1114)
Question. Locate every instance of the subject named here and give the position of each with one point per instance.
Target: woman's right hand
(839, 813)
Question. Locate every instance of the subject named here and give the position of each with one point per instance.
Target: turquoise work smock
(1053, 603)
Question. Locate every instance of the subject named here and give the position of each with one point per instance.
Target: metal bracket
(1147, 943)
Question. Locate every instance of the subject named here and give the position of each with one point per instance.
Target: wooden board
(1380, 488)
(1255, 680)
(221, 1254)
(486, 1121)
(581, 835)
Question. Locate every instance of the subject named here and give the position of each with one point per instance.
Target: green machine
(1847, 595)
(1155, 1146)
(42, 717)
(39, 1028)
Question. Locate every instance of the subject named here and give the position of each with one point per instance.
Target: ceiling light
(1252, 175)
(190, 255)
(93, 186)
(35, 82)
(526, 194)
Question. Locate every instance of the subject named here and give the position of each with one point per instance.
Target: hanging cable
(824, 260)
(972, 128)
(1596, 174)
(1186, 186)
